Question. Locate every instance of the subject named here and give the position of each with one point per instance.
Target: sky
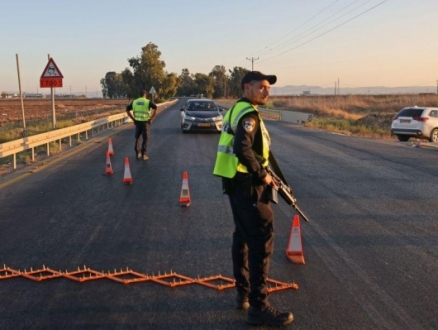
(359, 43)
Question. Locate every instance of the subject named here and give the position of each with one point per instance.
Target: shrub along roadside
(350, 127)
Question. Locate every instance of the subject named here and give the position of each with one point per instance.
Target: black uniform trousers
(142, 129)
(253, 241)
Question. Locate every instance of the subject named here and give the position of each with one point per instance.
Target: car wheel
(403, 138)
(434, 135)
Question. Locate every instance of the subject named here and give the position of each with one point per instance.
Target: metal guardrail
(289, 116)
(31, 142)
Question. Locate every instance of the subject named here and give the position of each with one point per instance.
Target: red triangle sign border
(59, 75)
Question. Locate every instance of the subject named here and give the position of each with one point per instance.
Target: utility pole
(252, 59)
(339, 90)
(21, 98)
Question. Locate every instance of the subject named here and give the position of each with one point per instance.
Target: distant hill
(317, 90)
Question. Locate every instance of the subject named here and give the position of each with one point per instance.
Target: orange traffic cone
(184, 197)
(294, 251)
(110, 147)
(109, 168)
(127, 178)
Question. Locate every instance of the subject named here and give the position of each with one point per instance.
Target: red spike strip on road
(39, 275)
(7, 272)
(280, 285)
(127, 276)
(80, 275)
(170, 279)
(207, 281)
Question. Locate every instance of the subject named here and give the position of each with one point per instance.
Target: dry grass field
(365, 115)
(352, 106)
(39, 109)
(38, 116)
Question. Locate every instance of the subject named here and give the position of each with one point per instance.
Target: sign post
(152, 92)
(51, 78)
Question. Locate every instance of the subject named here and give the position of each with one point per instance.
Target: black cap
(257, 75)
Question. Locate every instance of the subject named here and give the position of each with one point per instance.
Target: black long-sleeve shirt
(248, 138)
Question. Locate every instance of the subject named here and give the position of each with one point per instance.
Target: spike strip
(41, 274)
(7, 272)
(81, 275)
(183, 280)
(205, 282)
(171, 279)
(134, 277)
(280, 285)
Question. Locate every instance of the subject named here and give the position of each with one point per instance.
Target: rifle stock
(285, 192)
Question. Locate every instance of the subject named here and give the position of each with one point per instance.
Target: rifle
(285, 192)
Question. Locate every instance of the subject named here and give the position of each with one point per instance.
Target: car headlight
(189, 118)
(217, 118)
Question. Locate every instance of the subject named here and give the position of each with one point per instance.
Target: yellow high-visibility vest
(227, 164)
(140, 108)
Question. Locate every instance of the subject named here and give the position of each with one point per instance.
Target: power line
(320, 35)
(298, 27)
(313, 30)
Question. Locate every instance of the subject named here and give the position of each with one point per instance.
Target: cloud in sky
(315, 42)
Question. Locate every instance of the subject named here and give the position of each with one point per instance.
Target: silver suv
(420, 122)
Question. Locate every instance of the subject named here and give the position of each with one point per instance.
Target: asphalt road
(370, 246)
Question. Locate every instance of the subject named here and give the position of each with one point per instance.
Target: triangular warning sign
(51, 70)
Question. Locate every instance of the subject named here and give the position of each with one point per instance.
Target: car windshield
(410, 112)
(201, 106)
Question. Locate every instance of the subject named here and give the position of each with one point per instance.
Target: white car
(420, 122)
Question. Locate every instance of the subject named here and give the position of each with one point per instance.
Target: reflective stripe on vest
(140, 108)
(227, 164)
(266, 146)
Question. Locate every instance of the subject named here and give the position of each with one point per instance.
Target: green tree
(236, 76)
(187, 85)
(221, 81)
(148, 71)
(168, 87)
(204, 85)
(128, 79)
(113, 85)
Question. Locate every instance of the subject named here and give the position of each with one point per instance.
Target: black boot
(269, 316)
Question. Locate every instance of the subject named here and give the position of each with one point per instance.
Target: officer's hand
(268, 180)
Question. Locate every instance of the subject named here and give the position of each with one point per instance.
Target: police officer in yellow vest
(142, 112)
(242, 157)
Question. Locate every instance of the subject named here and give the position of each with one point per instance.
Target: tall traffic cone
(109, 168)
(110, 147)
(294, 251)
(127, 178)
(184, 197)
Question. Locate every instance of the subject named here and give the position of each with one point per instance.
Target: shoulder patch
(248, 124)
